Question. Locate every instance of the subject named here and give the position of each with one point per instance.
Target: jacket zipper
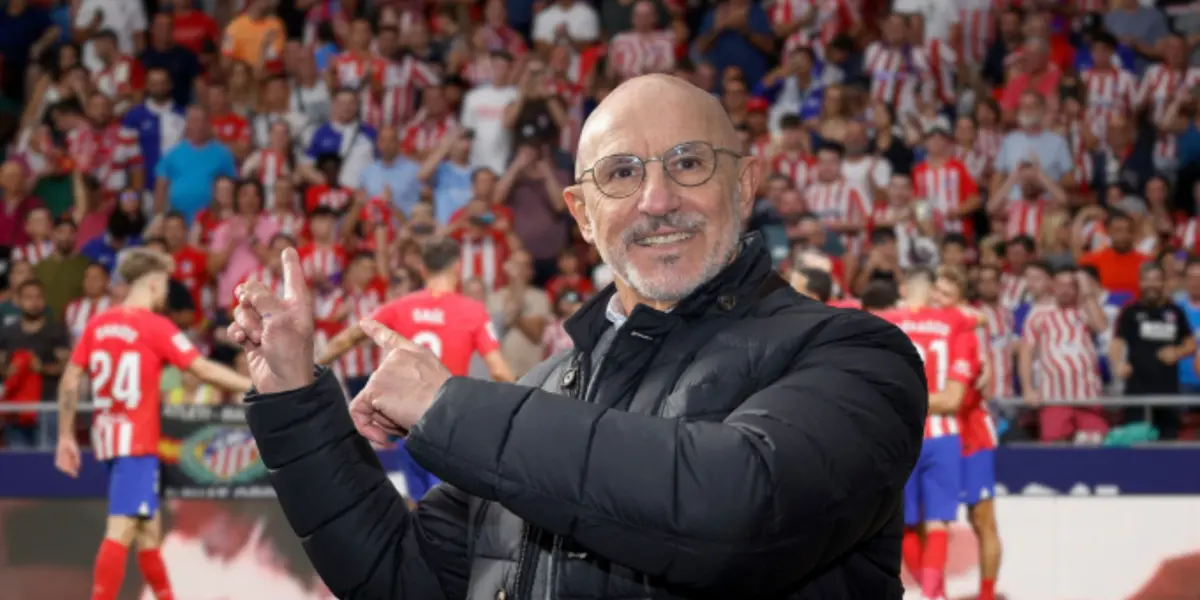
(574, 378)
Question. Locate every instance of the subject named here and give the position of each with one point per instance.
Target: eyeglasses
(689, 164)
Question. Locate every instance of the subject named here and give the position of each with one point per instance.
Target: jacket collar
(738, 281)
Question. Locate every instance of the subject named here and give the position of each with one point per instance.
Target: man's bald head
(650, 109)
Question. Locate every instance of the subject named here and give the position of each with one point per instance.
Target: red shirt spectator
(192, 28)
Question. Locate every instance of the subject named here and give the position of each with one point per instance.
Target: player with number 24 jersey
(450, 325)
(123, 351)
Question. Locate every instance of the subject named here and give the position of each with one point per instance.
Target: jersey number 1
(125, 380)
(941, 360)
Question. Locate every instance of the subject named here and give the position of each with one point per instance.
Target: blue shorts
(932, 491)
(133, 486)
(978, 476)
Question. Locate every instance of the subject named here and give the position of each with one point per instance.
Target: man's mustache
(650, 225)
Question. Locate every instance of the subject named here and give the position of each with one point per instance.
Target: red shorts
(1061, 423)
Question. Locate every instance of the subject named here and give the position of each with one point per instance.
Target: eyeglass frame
(717, 151)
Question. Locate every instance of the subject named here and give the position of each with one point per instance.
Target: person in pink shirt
(240, 242)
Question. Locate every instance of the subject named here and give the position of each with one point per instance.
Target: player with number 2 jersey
(122, 353)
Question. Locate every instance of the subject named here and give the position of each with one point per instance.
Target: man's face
(1120, 231)
(1191, 281)
(829, 166)
(12, 177)
(1029, 112)
(196, 125)
(644, 16)
(899, 190)
(1037, 282)
(389, 143)
(894, 29)
(776, 188)
(321, 228)
(1017, 256)
(360, 35)
(856, 139)
(64, 238)
(38, 224)
(1102, 55)
(945, 293)
(95, 282)
(989, 285)
(345, 107)
(482, 184)
(99, 109)
(954, 255)
(160, 30)
(937, 145)
(218, 100)
(1066, 288)
(520, 267)
(664, 240)
(32, 301)
(1153, 284)
(433, 100)
(158, 85)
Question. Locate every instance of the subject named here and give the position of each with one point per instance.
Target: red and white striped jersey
(1025, 218)
(1187, 235)
(356, 71)
(897, 76)
(1012, 290)
(799, 167)
(943, 69)
(388, 107)
(401, 81)
(123, 351)
(267, 166)
(425, 133)
(832, 17)
(322, 261)
(572, 95)
(107, 152)
(838, 202)
(948, 347)
(632, 53)
(998, 335)
(33, 252)
(81, 310)
(290, 224)
(363, 359)
(119, 81)
(762, 147)
(1109, 92)
(976, 162)
(947, 187)
(1067, 360)
(978, 21)
(1159, 87)
(482, 259)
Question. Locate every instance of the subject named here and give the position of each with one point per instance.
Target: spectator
(16, 204)
(447, 167)
(46, 341)
(1037, 75)
(157, 122)
(1031, 141)
(539, 211)
(1067, 361)
(1118, 264)
(95, 299)
(1152, 337)
(522, 312)
(346, 137)
(190, 28)
(555, 338)
(647, 48)
(185, 177)
(126, 21)
(38, 227)
(793, 88)
(26, 31)
(392, 172)
(737, 33)
(255, 37)
(569, 21)
(19, 272)
(1137, 27)
(485, 111)
(63, 270)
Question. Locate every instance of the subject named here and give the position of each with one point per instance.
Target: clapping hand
(276, 333)
(400, 390)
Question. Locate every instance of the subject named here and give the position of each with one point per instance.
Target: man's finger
(294, 285)
(248, 323)
(361, 413)
(261, 299)
(383, 337)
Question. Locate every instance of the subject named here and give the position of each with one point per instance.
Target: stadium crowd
(1049, 150)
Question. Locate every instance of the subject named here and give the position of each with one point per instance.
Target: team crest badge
(221, 455)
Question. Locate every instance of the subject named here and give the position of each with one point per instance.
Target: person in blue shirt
(737, 33)
(186, 174)
(158, 122)
(125, 227)
(448, 170)
(392, 172)
(1189, 379)
(794, 87)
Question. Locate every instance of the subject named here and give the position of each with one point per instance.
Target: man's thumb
(382, 336)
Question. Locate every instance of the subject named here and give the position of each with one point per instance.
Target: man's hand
(400, 390)
(276, 334)
(1033, 397)
(66, 457)
(1125, 370)
(1169, 355)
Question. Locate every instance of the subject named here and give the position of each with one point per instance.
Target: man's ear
(749, 177)
(573, 197)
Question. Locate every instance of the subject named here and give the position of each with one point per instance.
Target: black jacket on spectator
(1134, 172)
(751, 443)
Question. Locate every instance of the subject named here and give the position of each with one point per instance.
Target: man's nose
(658, 192)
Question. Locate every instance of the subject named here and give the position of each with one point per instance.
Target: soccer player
(946, 343)
(978, 435)
(122, 351)
(450, 325)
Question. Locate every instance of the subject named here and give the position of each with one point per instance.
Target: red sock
(910, 549)
(987, 589)
(155, 572)
(933, 563)
(109, 572)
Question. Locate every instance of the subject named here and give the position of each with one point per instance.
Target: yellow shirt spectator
(254, 40)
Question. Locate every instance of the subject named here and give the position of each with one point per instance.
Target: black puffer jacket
(749, 444)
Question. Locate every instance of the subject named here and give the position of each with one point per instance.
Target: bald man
(713, 434)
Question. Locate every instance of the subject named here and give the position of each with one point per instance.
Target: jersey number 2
(430, 340)
(941, 360)
(125, 380)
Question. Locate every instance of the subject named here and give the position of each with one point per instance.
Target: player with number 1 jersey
(122, 353)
